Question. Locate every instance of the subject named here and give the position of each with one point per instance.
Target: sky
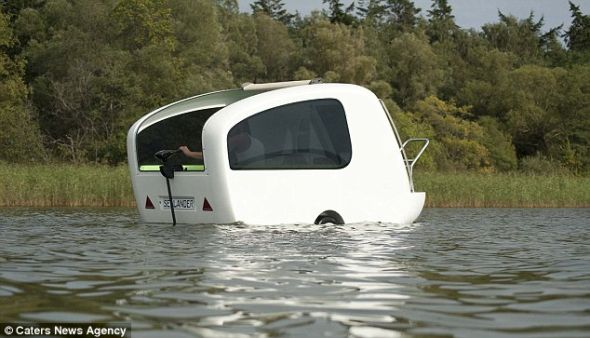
(471, 13)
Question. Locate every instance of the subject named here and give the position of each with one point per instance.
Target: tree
(20, 139)
(520, 37)
(201, 50)
(143, 22)
(275, 48)
(578, 35)
(441, 22)
(336, 52)
(274, 9)
(458, 144)
(76, 82)
(499, 144)
(372, 11)
(90, 79)
(535, 120)
(239, 33)
(573, 109)
(339, 15)
(402, 15)
(554, 52)
(415, 73)
(12, 8)
(486, 82)
(228, 6)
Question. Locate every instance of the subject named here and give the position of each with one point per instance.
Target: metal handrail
(411, 162)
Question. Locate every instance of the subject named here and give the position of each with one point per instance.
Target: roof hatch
(277, 85)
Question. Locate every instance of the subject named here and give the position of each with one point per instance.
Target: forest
(513, 95)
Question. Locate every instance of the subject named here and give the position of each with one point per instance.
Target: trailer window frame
(169, 133)
(304, 135)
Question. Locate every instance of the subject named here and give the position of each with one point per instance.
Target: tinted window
(185, 129)
(303, 135)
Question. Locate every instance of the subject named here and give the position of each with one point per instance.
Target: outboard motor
(167, 170)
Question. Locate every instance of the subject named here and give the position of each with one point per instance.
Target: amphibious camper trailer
(290, 152)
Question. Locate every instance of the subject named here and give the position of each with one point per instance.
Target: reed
(510, 190)
(65, 185)
(68, 185)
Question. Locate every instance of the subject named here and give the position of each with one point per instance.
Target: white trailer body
(315, 153)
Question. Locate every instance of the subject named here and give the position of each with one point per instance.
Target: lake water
(456, 272)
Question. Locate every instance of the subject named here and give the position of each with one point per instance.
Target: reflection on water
(463, 273)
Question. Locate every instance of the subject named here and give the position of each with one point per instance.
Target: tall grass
(67, 185)
(476, 190)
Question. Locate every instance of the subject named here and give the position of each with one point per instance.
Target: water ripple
(463, 273)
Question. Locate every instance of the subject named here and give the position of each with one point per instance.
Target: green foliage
(274, 9)
(442, 25)
(20, 139)
(485, 81)
(75, 74)
(337, 52)
(499, 144)
(505, 190)
(554, 52)
(415, 73)
(275, 48)
(578, 35)
(239, 31)
(519, 37)
(532, 98)
(58, 185)
(550, 113)
(201, 53)
(338, 14)
(540, 165)
(139, 23)
(409, 125)
(371, 11)
(460, 140)
(457, 144)
(401, 15)
(93, 76)
(64, 185)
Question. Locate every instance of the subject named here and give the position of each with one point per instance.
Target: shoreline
(503, 190)
(98, 186)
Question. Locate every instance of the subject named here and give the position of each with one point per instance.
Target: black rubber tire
(327, 220)
(329, 216)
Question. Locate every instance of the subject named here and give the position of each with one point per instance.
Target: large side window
(185, 129)
(303, 135)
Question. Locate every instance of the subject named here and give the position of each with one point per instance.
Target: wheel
(329, 216)
(327, 220)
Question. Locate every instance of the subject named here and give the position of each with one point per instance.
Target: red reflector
(206, 205)
(148, 203)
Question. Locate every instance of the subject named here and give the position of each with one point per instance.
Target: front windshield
(184, 129)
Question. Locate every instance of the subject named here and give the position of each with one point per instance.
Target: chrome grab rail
(410, 162)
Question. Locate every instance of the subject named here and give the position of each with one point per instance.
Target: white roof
(216, 99)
